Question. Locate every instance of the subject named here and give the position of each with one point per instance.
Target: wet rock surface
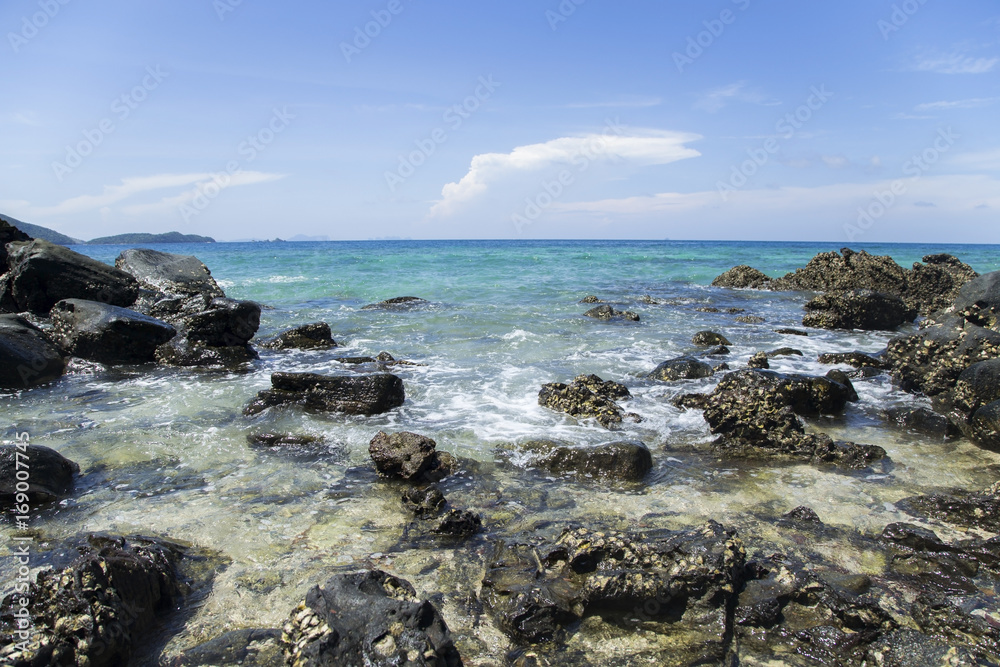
(410, 457)
(960, 507)
(935, 284)
(27, 356)
(619, 461)
(367, 618)
(254, 647)
(682, 368)
(857, 309)
(855, 359)
(710, 338)
(585, 398)
(51, 475)
(315, 336)
(173, 285)
(350, 394)
(401, 303)
(107, 334)
(607, 313)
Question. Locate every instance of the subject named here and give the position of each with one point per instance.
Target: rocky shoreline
(764, 591)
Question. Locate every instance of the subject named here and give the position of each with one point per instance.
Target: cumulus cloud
(646, 147)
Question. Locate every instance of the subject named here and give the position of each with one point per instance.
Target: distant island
(169, 237)
(44, 233)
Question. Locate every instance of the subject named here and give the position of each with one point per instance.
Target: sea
(165, 451)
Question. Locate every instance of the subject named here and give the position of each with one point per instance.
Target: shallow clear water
(164, 451)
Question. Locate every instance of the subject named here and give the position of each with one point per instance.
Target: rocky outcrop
(742, 277)
(367, 618)
(27, 357)
(398, 303)
(686, 580)
(961, 507)
(41, 274)
(934, 285)
(107, 334)
(586, 397)
(98, 610)
(682, 368)
(755, 414)
(51, 475)
(710, 339)
(410, 457)
(349, 394)
(857, 309)
(978, 302)
(617, 461)
(315, 336)
(975, 402)
(173, 285)
(218, 336)
(606, 313)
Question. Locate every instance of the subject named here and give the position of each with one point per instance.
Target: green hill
(133, 239)
(44, 233)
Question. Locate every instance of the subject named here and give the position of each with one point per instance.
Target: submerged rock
(682, 368)
(750, 319)
(51, 474)
(709, 339)
(254, 647)
(184, 353)
(350, 394)
(620, 461)
(923, 420)
(315, 336)
(585, 398)
(459, 523)
(607, 314)
(398, 303)
(410, 457)
(41, 274)
(791, 332)
(367, 618)
(970, 509)
(424, 502)
(98, 610)
(857, 309)
(27, 357)
(107, 334)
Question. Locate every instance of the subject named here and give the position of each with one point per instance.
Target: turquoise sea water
(165, 450)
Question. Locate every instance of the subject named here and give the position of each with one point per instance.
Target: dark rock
(289, 440)
(682, 368)
(856, 359)
(802, 514)
(315, 336)
(367, 618)
(607, 314)
(976, 389)
(591, 299)
(226, 323)
(969, 509)
(350, 394)
(183, 353)
(923, 420)
(42, 274)
(605, 388)
(865, 373)
(909, 648)
(719, 368)
(978, 302)
(931, 360)
(257, 647)
(832, 272)
(408, 456)
(857, 309)
(107, 334)
(176, 285)
(984, 427)
(750, 319)
(8, 234)
(99, 609)
(708, 309)
(687, 579)
(581, 400)
(934, 285)
(719, 351)
(398, 303)
(840, 377)
(27, 357)
(784, 352)
(691, 401)
(742, 277)
(424, 502)
(943, 620)
(791, 332)
(622, 461)
(758, 360)
(459, 523)
(709, 338)
(51, 474)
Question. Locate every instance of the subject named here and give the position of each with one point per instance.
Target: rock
(719, 368)
(607, 314)
(8, 234)
(682, 368)
(857, 309)
(750, 319)
(315, 336)
(620, 461)
(931, 360)
(96, 611)
(27, 357)
(709, 338)
(984, 427)
(284, 440)
(934, 285)
(606, 388)
(791, 332)
(367, 618)
(977, 387)
(856, 359)
(42, 274)
(849, 270)
(107, 334)
(742, 277)
(424, 502)
(719, 351)
(256, 647)
(398, 303)
(183, 353)
(580, 400)
(970, 509)
(409, 456)
(784, 352)
(178, 284)
(978, 301)
(349, 394)
(802, 514)
(51, 474)
(758, 360)
(226, 323)
(590, 299)
(459, 523)
(685, 579)
(923, 420)
(840, 377)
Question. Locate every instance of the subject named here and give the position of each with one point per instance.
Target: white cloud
(988, 160)
(29, 118)
(636, 103)
(836, 161)
(647, 147)
(974, 103)
(955, 62)
(715, 100)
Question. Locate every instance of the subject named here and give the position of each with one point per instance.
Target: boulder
(226, 323)
(8, 234)
(367, 618)
(98, 610)
(984, 426)
(398, 303)
(849, 270)
(759, 360)
(315, 336)
(840, 377)
(978, 301)
(170, 275)
(580, 400)
(42, 274)
(51, 474)
(606, 388)
(920, 419)
(107, 334)
(410, 457)
(184, 353)
(931, 360)
(857, 309)
(710, 339)
(934, 285)
(27, 357)
(742, 277)
(349, 394)
(682, 368)
(606, 313)
(618, 461)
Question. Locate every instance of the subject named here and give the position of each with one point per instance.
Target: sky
(855, 121)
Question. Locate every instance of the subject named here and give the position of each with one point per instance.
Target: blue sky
(860, 120)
